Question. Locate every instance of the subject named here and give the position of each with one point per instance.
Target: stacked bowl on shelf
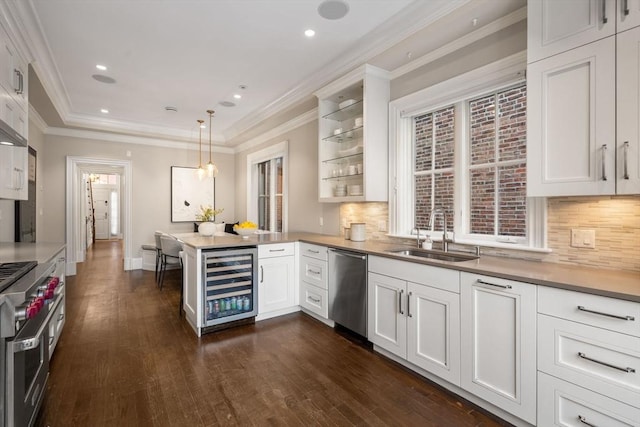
(340, 190)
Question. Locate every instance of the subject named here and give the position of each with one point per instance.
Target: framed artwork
(188, 193)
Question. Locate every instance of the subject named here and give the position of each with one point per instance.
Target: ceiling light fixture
(200, 169)
(104, 111)
(309, 33)
(212, 169)
(237, 96)
(6, 143)
(101, 67)
(333, 9)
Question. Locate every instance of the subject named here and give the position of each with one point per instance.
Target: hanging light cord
(200, 169)
(211, 167)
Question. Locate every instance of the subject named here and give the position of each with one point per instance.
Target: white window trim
(502, 73)
(280, 149)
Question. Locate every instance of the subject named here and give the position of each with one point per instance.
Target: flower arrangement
(207, 213)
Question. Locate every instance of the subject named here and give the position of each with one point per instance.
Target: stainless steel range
(27, 303)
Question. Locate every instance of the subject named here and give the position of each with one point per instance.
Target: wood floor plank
(125, 357)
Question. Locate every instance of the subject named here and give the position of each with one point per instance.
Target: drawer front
(564, 404)
(314, 251)
(595, 310)
(314, 299)
(597, 359)
(276, 249)
(314, 271)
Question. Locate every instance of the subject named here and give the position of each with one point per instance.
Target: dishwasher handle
(348, 254)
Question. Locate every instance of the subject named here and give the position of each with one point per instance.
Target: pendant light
(200, 168)
(212, 169)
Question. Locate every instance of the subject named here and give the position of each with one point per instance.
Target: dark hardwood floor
(126, 358)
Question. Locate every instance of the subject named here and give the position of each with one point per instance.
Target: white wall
(151, 184)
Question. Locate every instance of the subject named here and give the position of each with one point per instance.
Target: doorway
(77, 214)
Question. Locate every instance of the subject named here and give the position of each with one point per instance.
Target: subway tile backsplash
(616, 221)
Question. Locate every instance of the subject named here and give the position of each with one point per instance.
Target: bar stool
(157, 235)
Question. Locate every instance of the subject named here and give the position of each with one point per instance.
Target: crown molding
(129, 139)
(296, 122)
(37, 120)
(482, 32)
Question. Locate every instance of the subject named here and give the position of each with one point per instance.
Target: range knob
(32, 310)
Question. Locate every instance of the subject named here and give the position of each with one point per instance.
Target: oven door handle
(31, 342)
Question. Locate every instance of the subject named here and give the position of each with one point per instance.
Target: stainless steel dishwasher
(348, 290)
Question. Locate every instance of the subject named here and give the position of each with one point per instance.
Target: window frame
(455, 91)
(253, 160)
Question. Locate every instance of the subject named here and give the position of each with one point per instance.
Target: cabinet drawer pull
(317, 273)
(400, 302)
(584, 421)
(316, 300)
(615, 316)
(608, 365)
(276, 250)
(626, 7)
(604, 158)
(261, 274)
(625, 151)
(313, 251)
(60, 316)
(604, 12)
(482, 282)
(409, 304)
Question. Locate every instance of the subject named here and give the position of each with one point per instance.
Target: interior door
(102, 212)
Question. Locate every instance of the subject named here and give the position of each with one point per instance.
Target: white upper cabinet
(628, 14)
(583, 98)
(571, 122)
(555, 26)
(13, 71)
(353, 137)
(628, 112)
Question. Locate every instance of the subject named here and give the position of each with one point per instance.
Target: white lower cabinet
(414, 321)
(498, 357)
(314, 279)
(588, 359)
(561, 403)
(276, 279)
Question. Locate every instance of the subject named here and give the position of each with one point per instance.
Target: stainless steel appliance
(26, 310)
(348, 290)
(230, 282)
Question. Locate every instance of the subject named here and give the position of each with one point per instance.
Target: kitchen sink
(430, 254)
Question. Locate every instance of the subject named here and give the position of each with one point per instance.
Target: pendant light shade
(212, 169)
(200, 168)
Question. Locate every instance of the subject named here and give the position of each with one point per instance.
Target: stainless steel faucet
(445, 240)
(418, 236)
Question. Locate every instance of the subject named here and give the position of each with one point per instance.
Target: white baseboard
(265, 316)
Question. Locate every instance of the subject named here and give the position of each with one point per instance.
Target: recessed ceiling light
(171, 108)
(104, 111)
(309, 33)
(333, 9)
(237, 96)
(101, 67)
(6, 143)
(227, 104)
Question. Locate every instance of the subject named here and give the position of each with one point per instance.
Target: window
(461, 146)
(266, 187)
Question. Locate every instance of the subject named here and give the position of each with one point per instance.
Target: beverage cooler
(230, 282)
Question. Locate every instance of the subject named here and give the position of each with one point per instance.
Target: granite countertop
(611, 283)
(41, 252)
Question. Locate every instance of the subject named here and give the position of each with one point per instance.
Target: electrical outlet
(382, 225)
(583, 238)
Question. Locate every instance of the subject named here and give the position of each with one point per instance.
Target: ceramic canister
(358, 231)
